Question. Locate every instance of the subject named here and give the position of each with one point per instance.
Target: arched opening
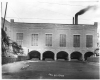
(88, 54)
(76, 55)
(62, 55)
(34, 54)
(48, 54)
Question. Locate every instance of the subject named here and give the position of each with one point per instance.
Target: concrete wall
(55, 29)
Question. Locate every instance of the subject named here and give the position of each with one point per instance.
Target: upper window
(76, 41)
(62, 40)
(19, 38)
(48, 39)
(89, 40)
(34, 41)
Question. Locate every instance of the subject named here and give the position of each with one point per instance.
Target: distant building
(51, 40)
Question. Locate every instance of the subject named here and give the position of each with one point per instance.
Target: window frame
(20, 40)
(86, 40)
(79, 40)
(32, 42)
(51, 40)
(62, 42)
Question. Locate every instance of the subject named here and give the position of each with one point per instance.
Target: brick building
(51, 40)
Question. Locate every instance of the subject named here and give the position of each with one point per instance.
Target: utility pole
(5, 15)
(1, 9)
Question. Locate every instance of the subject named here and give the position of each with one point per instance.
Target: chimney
(95, 24)
(73, 20)
(12, 20)
(76, 19)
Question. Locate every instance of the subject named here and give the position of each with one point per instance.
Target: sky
(51, 11)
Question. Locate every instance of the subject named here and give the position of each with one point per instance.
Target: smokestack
(76, 19)
(73, 20)
(82, 12)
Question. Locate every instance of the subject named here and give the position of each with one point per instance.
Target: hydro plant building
(55, 41)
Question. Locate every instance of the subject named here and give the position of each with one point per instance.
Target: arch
(48, 54)
(62, 55)
(76, 55)
(88, 54)
(34, 54)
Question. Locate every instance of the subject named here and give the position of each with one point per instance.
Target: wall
(56, 29)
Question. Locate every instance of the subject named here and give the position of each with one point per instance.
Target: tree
(5, 42)
(17, 48)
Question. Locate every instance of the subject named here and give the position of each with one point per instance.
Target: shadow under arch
(34, 54)
(48, 54)
(88, 54)
(62, 55)
(76, 55)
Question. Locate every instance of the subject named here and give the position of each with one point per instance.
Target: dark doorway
(48, 54)
(62, 55)
(76, 55)
(34, 54)
(88, 54)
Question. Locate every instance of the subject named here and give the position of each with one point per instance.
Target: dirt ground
(53, 70)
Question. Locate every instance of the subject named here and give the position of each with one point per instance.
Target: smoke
(83, 11)
(86, 9)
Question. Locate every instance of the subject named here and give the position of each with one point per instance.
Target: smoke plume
(82, 12)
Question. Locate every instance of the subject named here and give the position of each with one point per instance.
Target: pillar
(69, 58)
(41, 57)
(55, 57)
(83, 59)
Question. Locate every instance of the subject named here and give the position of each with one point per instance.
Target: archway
(48, 54)
(34, 54)
(76, 55)
(88, 54)
(62, 55)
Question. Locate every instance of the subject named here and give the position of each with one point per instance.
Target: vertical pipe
(76, 19)
(5, 15)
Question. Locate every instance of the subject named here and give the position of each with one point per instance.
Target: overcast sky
(51, 11)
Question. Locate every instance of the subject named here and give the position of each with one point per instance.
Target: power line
(60, 4)
(63, 4)
(17, 15)
(44, 9)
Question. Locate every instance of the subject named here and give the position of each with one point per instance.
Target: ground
(55, 70)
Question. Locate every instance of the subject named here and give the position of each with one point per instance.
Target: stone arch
(88, 54)
(34, 54)
(48, 54)
(62, 55)
(76, 55)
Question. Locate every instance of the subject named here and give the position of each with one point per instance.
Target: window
(34, 40)
(76, 41)
(89, 40)
(48, 39)
(19, 38)
(62, 40)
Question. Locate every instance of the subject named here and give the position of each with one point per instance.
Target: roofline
(51, 23)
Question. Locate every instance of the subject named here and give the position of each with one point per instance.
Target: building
(51, 40)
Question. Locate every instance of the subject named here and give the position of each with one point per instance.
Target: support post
(55, 57)
(69, 58)
(41, 57)
(83, 57)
